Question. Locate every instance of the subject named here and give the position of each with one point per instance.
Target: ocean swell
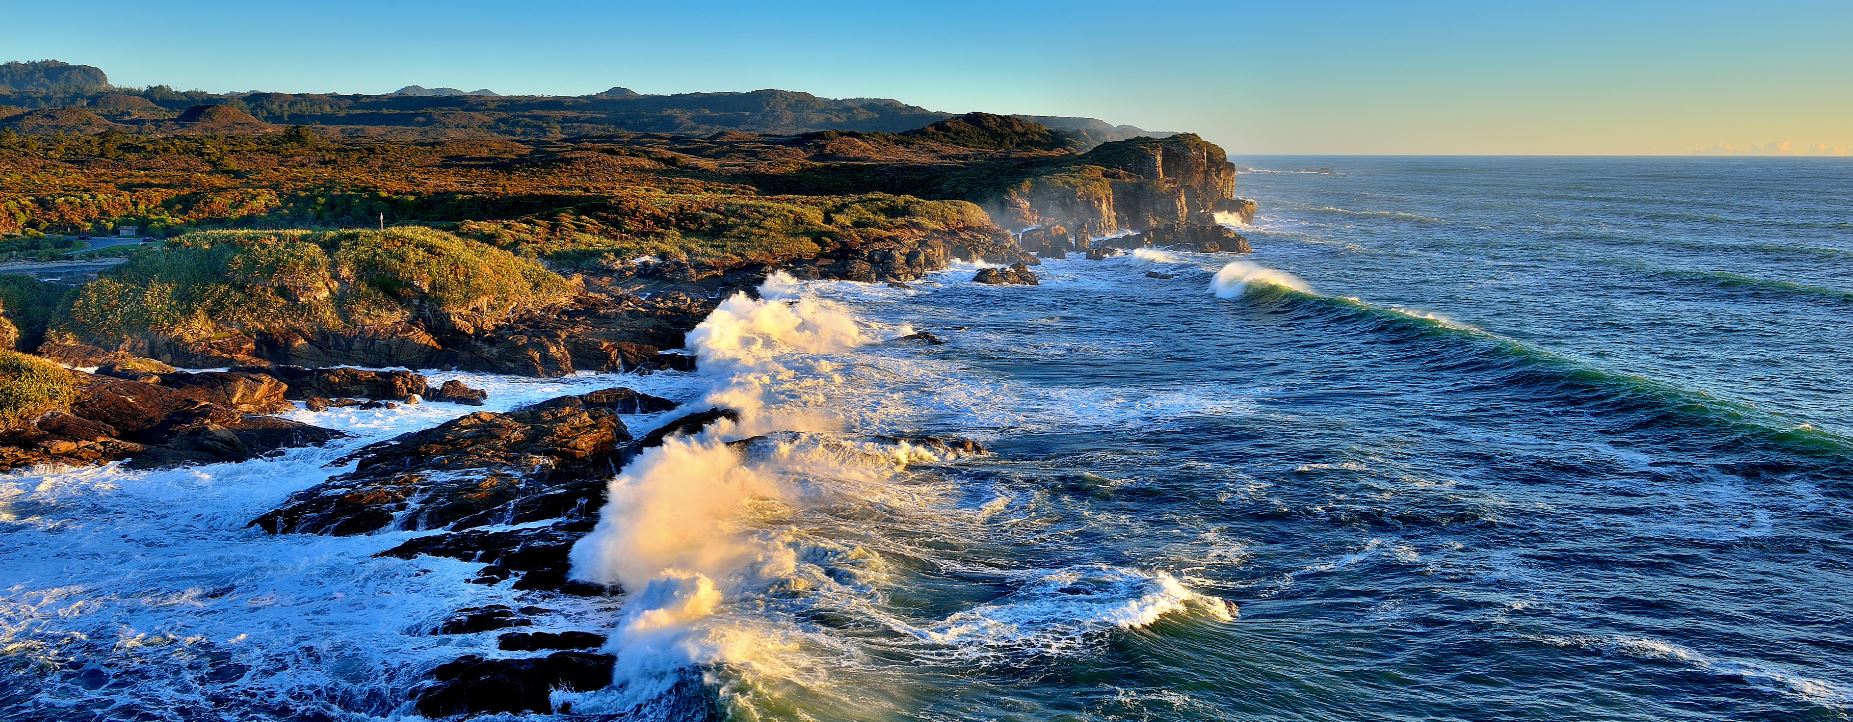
(1499, 363)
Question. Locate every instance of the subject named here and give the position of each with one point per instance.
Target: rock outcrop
(1017, 274)
(484, 468)
(112, 419)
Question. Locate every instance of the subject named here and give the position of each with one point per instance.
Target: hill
(50, 76)
(448, 112)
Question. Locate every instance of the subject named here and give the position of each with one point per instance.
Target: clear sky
(1563, 77)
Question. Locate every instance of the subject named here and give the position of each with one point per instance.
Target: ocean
(1463, 439)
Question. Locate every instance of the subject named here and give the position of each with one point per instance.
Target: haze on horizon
(1566, 78)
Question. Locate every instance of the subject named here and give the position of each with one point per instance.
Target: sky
(1567, 77)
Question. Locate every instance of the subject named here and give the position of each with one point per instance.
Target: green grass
(30, 386)
(212, 285)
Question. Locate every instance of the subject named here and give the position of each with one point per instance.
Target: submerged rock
(1018, 274)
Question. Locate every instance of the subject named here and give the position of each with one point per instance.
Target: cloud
(1774, 147)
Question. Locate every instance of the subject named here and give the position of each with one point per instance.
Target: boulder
(1018, 274)
(242, 390)
(135, 368)
(456, 392)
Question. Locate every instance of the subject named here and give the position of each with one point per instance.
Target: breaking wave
(725, 539)
(1495, 362)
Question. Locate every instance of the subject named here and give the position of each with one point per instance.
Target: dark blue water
(1545, 439)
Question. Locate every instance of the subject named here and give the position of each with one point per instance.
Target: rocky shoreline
(512, 491)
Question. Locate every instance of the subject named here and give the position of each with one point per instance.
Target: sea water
(1465, 438)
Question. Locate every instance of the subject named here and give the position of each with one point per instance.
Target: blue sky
(1302, 77)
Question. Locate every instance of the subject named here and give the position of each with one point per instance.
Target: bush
(31, 386)
(27, 305)
(212, 285)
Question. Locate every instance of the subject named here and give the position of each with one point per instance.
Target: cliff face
(1124, 186)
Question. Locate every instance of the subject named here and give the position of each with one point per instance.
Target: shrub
(213, 285)
(30, 386)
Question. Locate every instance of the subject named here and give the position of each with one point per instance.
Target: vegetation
(31, 386)
(213, 285)
(27, 307)
(37, 247)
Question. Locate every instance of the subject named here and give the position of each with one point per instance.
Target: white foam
(1059, 611)
(1756, 673)
(1155, 255)
(1231, 219)
(151, 580)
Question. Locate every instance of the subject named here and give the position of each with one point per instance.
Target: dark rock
(675, 361)
(474, 685)
(941, 446)
(1156, 274)
(686, 426)
(113, 419)
(456, 392)
(1018, 274)
(1101, 253)
(542, 641)
(345, 382)
(927, 336)
(316, 403)
(1242, 207)
(481, 619)
(532, 463)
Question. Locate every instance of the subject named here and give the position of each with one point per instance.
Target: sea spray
(674, 529)
(1155, 255)
(1230, 219)
(1236, 276)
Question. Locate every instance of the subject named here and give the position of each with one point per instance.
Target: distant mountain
(445, 112)
(50, 76)
(420, 91)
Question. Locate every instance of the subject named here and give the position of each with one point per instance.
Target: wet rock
(1242, 207)
(669, 361)
(475, 685)
(525, 465)
(1101, 253)
(543, 641)
(112, 419)
(245, 391)
(927, 337)
(1161, 276)
(135, 368)
(345, 382)
(944, 447)
(219, 435)
(481, 619)
(1018, 274)
(686, 426)
(457, 392)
